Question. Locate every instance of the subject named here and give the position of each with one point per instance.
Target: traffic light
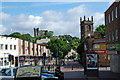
(10, 57)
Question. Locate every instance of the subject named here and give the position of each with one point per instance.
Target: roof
(43, 41)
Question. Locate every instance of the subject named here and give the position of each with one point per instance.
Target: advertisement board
(91, 61)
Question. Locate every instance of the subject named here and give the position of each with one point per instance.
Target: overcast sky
(60, 17)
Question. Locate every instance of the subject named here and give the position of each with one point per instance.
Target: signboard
(91, 61)
(103, 47)
(101, 51)
(28, 71)
(117, 46)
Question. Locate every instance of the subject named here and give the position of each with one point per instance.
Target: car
(75, 59)
(25, 73)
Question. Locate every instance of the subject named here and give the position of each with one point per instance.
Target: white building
(8, 45)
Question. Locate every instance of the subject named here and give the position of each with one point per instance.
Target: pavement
(77, 72)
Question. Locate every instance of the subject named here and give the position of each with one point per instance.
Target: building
(43, 49)
(99, 46)
(94, 42)
(112, 32)
(23, 52)
(86, 27)
(38, 32)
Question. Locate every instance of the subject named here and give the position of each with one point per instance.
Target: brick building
(112, 32)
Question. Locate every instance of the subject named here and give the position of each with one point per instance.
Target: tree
(101, 30)
(59, 46)
(80, 48)
(15, 35)
(49, 34)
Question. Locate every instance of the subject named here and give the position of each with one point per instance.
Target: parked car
(25, 73)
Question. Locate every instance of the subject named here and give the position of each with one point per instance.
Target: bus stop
(91, 68)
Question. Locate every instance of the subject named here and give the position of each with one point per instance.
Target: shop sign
(117, 46)
(111, 46)
(21, 58)
(103, 47)
(101, 51)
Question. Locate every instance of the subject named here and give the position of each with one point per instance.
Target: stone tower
(86, 27)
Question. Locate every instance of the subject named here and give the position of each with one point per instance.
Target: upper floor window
(6, 47)
(109, 18)
(106, 20)
(89, 28)
(1, 46)
(112, 15)
(112, 36)
(116, 34)
(116, 12)
(14, 47)
(109, 37)
(10, 47)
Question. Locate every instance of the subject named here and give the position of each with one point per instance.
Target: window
(1, 46)
(112, 15)
(112, 36)
(116, 34)
(6, 47)
(6, 72)
(10, 47)
(89, 28)
(116, 12)
(106, 20)
(109, 18)
(14, 47)
(97, 46)
(109, 37)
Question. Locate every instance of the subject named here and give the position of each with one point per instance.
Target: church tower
(86, 27)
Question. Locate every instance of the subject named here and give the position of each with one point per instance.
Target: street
(77, 73)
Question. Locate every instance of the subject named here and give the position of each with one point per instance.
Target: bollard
(72, 67)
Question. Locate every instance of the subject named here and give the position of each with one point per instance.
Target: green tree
(49, 34)
(59, 45)
(27, 37)
(101, 30)
(15, 35)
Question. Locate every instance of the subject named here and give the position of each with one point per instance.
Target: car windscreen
(29, 71)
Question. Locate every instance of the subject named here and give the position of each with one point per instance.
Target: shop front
(29, 60)
(104, 58)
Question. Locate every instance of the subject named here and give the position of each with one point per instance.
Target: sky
(60, 17)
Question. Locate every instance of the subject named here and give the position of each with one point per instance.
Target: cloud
(2, 29)
(4, 16)
(58, 22)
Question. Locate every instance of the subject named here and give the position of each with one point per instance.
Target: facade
(38, 32)
(87, 31)
(86, 27)
(24, 52)
(112, 32)
(43, 43)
